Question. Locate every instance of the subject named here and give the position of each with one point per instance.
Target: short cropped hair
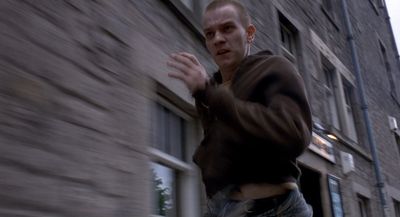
(243, 14)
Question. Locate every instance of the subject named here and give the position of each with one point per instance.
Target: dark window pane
(363, 204)
(397, 208)
(288, 35)
(168, 134)
(331, 100)
(175, 139)
(327, 4)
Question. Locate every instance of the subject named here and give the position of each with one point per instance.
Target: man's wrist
(201, 94)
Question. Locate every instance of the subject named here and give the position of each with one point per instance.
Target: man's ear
(251, 33)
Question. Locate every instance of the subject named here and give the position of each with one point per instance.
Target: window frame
(186, 15)
(330, 86)
(388, 69)
(397, 141)
(396, 205)
(375, 6)
(328, 9)
(292, 34)
(187, 194)
(336, 94)
(324, 52)
(363, 204)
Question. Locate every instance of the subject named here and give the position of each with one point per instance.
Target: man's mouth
(222, 52)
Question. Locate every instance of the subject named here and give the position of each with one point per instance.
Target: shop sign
(322, 147)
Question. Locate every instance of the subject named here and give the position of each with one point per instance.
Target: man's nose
(219, 38)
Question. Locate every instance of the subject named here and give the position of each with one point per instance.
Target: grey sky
(394, 9)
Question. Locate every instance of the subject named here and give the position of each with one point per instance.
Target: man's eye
(209, 34)
(228, 28)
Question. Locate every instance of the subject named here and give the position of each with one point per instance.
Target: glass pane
(333, 111)
(351, 124)
(166, 130)
(347, 93)
(282, 35)
(327, 4)
(363, 205)
(397, 208)
(336, 198)
(159, 132)
(360, 205)
(331, 98)
(287, 39)
(175, 137)
(168, 135)
(164, 191)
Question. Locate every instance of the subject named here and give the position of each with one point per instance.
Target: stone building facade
(91, 125)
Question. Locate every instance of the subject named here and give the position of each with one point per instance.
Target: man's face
(226, 37)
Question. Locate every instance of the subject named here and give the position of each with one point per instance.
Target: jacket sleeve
(203, 112)
(281, 116)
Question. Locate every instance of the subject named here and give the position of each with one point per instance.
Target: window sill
(350, 144)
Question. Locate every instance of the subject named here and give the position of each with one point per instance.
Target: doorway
(310, 186)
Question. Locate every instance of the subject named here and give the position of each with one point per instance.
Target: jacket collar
(217, 77)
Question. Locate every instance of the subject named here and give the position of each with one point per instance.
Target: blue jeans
(292, 205)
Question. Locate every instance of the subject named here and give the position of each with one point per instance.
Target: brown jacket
(254, 131)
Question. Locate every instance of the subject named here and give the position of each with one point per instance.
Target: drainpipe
(364, 107)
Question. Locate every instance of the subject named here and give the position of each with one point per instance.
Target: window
(335, 196)
(374, 4)
(331, 99)
(385, 62)
(328, 9)
(174, 187)
(397, 137)
(348, 95)
(327, 5)
(189, 12)
(339, 102)
(396, 208)
(190, 5)
(288, 38)
(169, 133)
(363, 206)
(382, 3)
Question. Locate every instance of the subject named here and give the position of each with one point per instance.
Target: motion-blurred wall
(73, 120)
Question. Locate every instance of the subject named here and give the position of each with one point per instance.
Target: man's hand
(188, 69)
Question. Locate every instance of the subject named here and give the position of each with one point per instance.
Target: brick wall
(73, 125)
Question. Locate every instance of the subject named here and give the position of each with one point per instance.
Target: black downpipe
(364, 107)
